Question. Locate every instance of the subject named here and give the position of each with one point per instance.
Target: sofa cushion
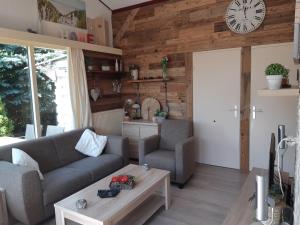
(98, 167)
(65, 146)
(62, 182)
(174, 131)
(41, 150)
(162, 159)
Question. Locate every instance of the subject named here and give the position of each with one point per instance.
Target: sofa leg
(180, 186)
(3, 208)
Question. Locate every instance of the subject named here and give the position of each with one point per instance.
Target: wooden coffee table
(132, 207)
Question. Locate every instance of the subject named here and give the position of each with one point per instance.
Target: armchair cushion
(173, 131)
(146, 146)
(162, 159)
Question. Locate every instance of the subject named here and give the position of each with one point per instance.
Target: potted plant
(164, 66)
(274, 74)
(159, 116)
(134, 71)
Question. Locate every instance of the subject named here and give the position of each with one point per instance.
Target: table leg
(167, 193)
(59, 217)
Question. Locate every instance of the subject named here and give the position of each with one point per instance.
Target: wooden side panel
(245, 108)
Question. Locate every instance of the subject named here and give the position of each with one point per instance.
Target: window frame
(33, 77)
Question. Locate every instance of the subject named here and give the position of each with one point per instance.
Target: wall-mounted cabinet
(104, 79)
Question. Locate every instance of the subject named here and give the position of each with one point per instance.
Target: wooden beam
(125, 26)
(3, 208)
(245, 108)
(189, 90)
(137, 6)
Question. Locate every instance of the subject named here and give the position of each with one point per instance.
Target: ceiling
(117, 4)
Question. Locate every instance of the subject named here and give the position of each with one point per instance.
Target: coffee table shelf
(144, 211)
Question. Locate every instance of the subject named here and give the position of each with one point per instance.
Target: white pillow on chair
(91, 144)
(21, 158)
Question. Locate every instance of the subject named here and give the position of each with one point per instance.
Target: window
(31, 99)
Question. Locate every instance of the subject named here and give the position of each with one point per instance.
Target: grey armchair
(173, 150)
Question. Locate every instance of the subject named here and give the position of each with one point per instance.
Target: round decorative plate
(149, 107)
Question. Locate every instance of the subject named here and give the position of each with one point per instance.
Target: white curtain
(79, 90)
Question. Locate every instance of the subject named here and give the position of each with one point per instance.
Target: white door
(216, 87)
(272, 110)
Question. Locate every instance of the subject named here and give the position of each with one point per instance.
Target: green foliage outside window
(15, 88)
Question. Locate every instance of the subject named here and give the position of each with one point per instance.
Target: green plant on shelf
(162, 114)
(276, 69)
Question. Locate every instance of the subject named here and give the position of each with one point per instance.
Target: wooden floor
(205, 200)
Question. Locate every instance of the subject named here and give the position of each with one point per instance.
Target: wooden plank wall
(177, 28)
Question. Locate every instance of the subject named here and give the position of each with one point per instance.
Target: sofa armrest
(118, 145)
(147, 145)
(23, 192)
(185, 160)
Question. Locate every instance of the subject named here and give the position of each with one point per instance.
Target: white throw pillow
(21, 158)
(91, 144)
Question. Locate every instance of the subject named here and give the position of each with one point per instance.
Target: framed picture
(71, 12)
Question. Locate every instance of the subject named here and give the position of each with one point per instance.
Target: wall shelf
(148, 81)
(279, 93)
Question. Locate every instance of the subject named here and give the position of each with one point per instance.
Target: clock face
(244, 16)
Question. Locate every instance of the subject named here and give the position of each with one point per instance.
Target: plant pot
(134, 74)
(274, 81)
(159, 119)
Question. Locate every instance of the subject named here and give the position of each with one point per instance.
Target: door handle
(254, 111)
(235, 111)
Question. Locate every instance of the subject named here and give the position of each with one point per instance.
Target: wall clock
(244, 16)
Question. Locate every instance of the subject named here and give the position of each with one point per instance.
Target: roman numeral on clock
(257, 4)
(232, 22)
(231, 16)
(245, 1)
(238, 26)
(245, 28)
(259, 11)
(257, 18)
(237, 3)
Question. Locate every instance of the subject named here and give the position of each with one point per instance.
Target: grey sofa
(66, 171)
(173, 150)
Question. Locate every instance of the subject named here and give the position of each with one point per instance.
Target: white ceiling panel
(117, 4)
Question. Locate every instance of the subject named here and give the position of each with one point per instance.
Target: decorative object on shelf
(274, 74)
(95, 94)
(105, 67)
(136, 111)
(116, 85)
(81, 204)
(122, 182)
(285, 83)
(92, 68)
(149, 108)
(243, 17)
(134, 72)
(116, 66)
(164, 66)
(159, 116)
(127, 109)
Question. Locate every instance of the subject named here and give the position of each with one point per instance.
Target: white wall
(23, 14)
(108, 122)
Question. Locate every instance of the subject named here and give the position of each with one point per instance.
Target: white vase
(274, 81)
(135, 74)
